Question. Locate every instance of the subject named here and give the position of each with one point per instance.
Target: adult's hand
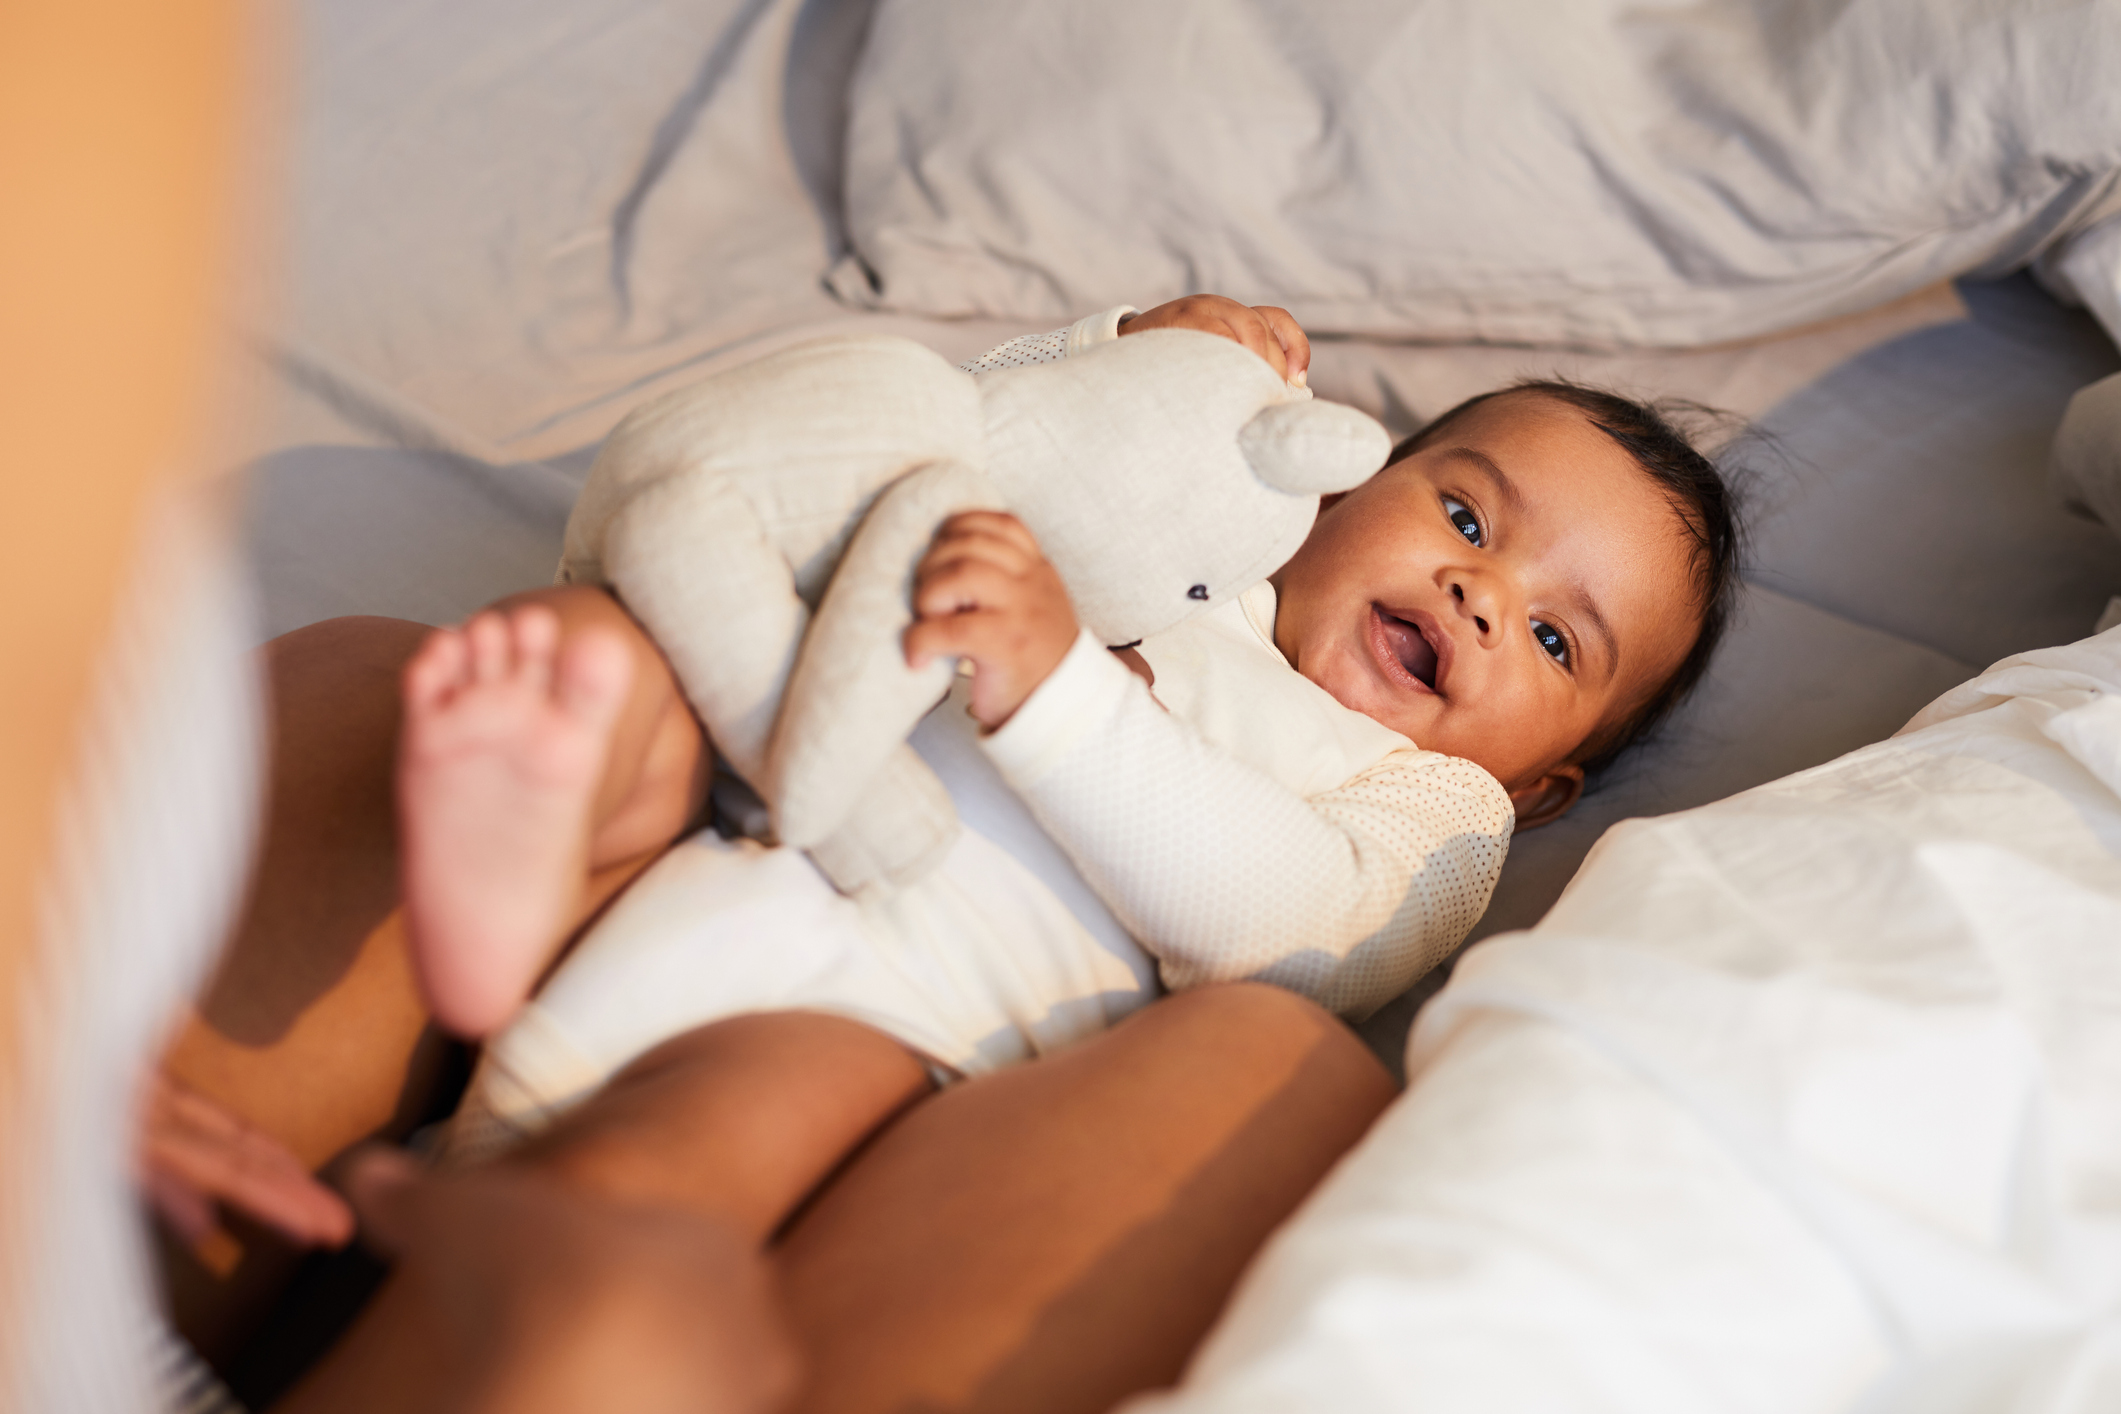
(193, 1155)
(1267, 330)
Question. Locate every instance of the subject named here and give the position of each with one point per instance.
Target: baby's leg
(503, 747)
(312, 1029)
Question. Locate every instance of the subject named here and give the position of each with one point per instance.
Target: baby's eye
(1549, 638)
(1468, 524)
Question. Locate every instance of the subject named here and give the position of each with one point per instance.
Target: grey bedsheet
(499, 247)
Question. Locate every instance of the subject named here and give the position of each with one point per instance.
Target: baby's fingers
(962, 584)
(1000, 544)
(930, 639)
(1250, 328)
(990, 535)
(1295, 344)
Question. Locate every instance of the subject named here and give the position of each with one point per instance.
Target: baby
(1318, 793)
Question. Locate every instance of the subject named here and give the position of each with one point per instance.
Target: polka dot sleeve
(1225, 874)
(1049, 347)
(1054, 344)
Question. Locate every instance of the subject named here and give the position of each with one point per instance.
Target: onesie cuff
(1084, 689)
(1094, 329)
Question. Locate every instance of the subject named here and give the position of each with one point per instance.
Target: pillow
(1599, 173)
(1802, 1101)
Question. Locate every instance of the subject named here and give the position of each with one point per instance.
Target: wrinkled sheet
(1809, 1099)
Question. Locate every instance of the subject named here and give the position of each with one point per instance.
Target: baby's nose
(1458, 592)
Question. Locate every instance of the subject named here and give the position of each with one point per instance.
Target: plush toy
(2085, 465)
(764, 526)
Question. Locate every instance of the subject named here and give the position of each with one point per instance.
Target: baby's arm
(1219, 870)
(1267, 330)
(1224, 873)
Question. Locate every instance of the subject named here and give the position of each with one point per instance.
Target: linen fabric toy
(764, 526)
(2085, 463)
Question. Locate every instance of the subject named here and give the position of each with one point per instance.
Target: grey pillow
(1593, 172)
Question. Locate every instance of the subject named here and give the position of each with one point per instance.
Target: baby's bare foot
(503, 746)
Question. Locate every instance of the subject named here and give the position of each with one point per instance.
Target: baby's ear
(1548, 798)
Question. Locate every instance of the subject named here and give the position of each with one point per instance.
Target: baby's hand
(985, 592)
(1268, 331)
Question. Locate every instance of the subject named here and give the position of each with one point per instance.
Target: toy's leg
(695, 567)
(898, 830)
(2086, 466)
(852, 700)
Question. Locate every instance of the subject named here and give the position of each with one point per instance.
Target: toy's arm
(1054, 345)
(1226, 874)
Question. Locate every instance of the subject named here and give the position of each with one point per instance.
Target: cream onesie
(1234, 823)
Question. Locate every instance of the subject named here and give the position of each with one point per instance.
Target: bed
(508, 223)
(657, 195)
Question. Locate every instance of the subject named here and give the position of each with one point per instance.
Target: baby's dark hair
(1706, 504)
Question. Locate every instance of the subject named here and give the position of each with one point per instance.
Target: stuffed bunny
(764, 526)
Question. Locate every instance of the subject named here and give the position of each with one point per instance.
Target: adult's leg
(1057, 1236)
(709, 1140)
(1051, 1238)
(512, 1293)
(313, 1030)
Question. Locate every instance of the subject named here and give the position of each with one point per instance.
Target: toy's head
(1166, 472)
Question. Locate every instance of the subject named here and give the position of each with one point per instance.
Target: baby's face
(1502, 594)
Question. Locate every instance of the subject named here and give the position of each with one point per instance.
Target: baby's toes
(535, 631)
(490, 647)
(441, 665)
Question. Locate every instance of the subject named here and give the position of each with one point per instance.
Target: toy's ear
(1311, 448)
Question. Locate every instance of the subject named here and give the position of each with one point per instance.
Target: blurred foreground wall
(122, 155)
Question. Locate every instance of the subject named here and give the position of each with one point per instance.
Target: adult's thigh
(1059, 1235)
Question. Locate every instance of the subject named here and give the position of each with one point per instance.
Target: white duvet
(1806, 1100)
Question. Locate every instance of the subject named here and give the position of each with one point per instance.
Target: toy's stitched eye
(1198, 591)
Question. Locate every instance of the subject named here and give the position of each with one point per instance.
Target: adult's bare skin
(1064, 1230)
(512, 1294)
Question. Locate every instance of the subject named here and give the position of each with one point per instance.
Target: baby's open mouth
(1411, 647)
